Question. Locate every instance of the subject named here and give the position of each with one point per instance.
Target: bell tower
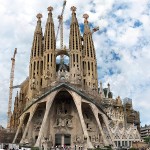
(75, 50)
(49, 50)
(36, 60)
(89, 58)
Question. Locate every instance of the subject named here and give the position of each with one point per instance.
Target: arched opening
(64, 124)
(36, 123)
(104, 127)
(62, 67)
(25, 121)
(91, 125)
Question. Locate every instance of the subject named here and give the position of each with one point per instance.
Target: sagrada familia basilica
(62, 104)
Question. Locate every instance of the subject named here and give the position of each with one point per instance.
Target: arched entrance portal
(64, 122)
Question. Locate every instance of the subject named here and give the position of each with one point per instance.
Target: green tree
(147, 139)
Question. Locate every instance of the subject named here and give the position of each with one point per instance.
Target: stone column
(29, 121)
(18, 130)
(77, 100)
(95, 112)
(49, 100)
(106, 123)
(62, 140)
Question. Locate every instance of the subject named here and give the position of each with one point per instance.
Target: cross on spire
(39, 16)
(73, 9)
(85, 16)
(50, 8)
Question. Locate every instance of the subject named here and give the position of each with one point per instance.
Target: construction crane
(60, 27)
(95, 29)
(9, 113)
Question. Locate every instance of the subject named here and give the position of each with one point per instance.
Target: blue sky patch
(120, 6)
(67, 22)
(119, 20)
(137, 24)
(115, 56)
(109, 42)
(81, 25)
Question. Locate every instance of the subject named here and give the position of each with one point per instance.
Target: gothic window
(38, 47)
(92, 66)
(34, 65)
(88, 65)
(51, 59)
(38, 65)
(77, 58)
(41, 67)
(47, 57)
(87, 125)
(57, 122)
(41, 82)
(51, 39)
(48, 41)
(73, 57)
(44, 62)
(90, 138)
(66, 111)
(87, 50)
(30, 70)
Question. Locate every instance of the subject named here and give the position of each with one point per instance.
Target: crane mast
(60, 27)
(9, 113)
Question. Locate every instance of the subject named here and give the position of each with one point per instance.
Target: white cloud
(130, 73)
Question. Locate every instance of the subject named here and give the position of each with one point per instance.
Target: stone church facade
(62, 104)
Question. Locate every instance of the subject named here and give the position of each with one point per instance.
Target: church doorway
(62, 139)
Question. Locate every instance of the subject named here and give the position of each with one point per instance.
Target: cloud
(122, 44)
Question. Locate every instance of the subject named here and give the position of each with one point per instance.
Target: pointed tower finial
(108, 90)
(85, 16)
(86, 26)
(101, 90)
(39, 16)
(50, 9)
(38, 27)
(73, 9)
(119, 101)
(17, 94)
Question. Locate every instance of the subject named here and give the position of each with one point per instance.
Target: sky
(122, 44)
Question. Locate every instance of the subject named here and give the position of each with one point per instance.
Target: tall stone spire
(108, 90)
(38, 26)
(36, 62)
(89, 58)
(49, 36)
(49, 50)
(101, 92)
(86, 26)
(75, 49)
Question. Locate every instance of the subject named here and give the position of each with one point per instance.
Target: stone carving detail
(37, 126)
(78, 78)
(63, 75)
(33, 84)
(78, 139)
(64, 122)
(63, 116)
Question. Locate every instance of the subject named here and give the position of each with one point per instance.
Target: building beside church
(145, 131)
(61, 103)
